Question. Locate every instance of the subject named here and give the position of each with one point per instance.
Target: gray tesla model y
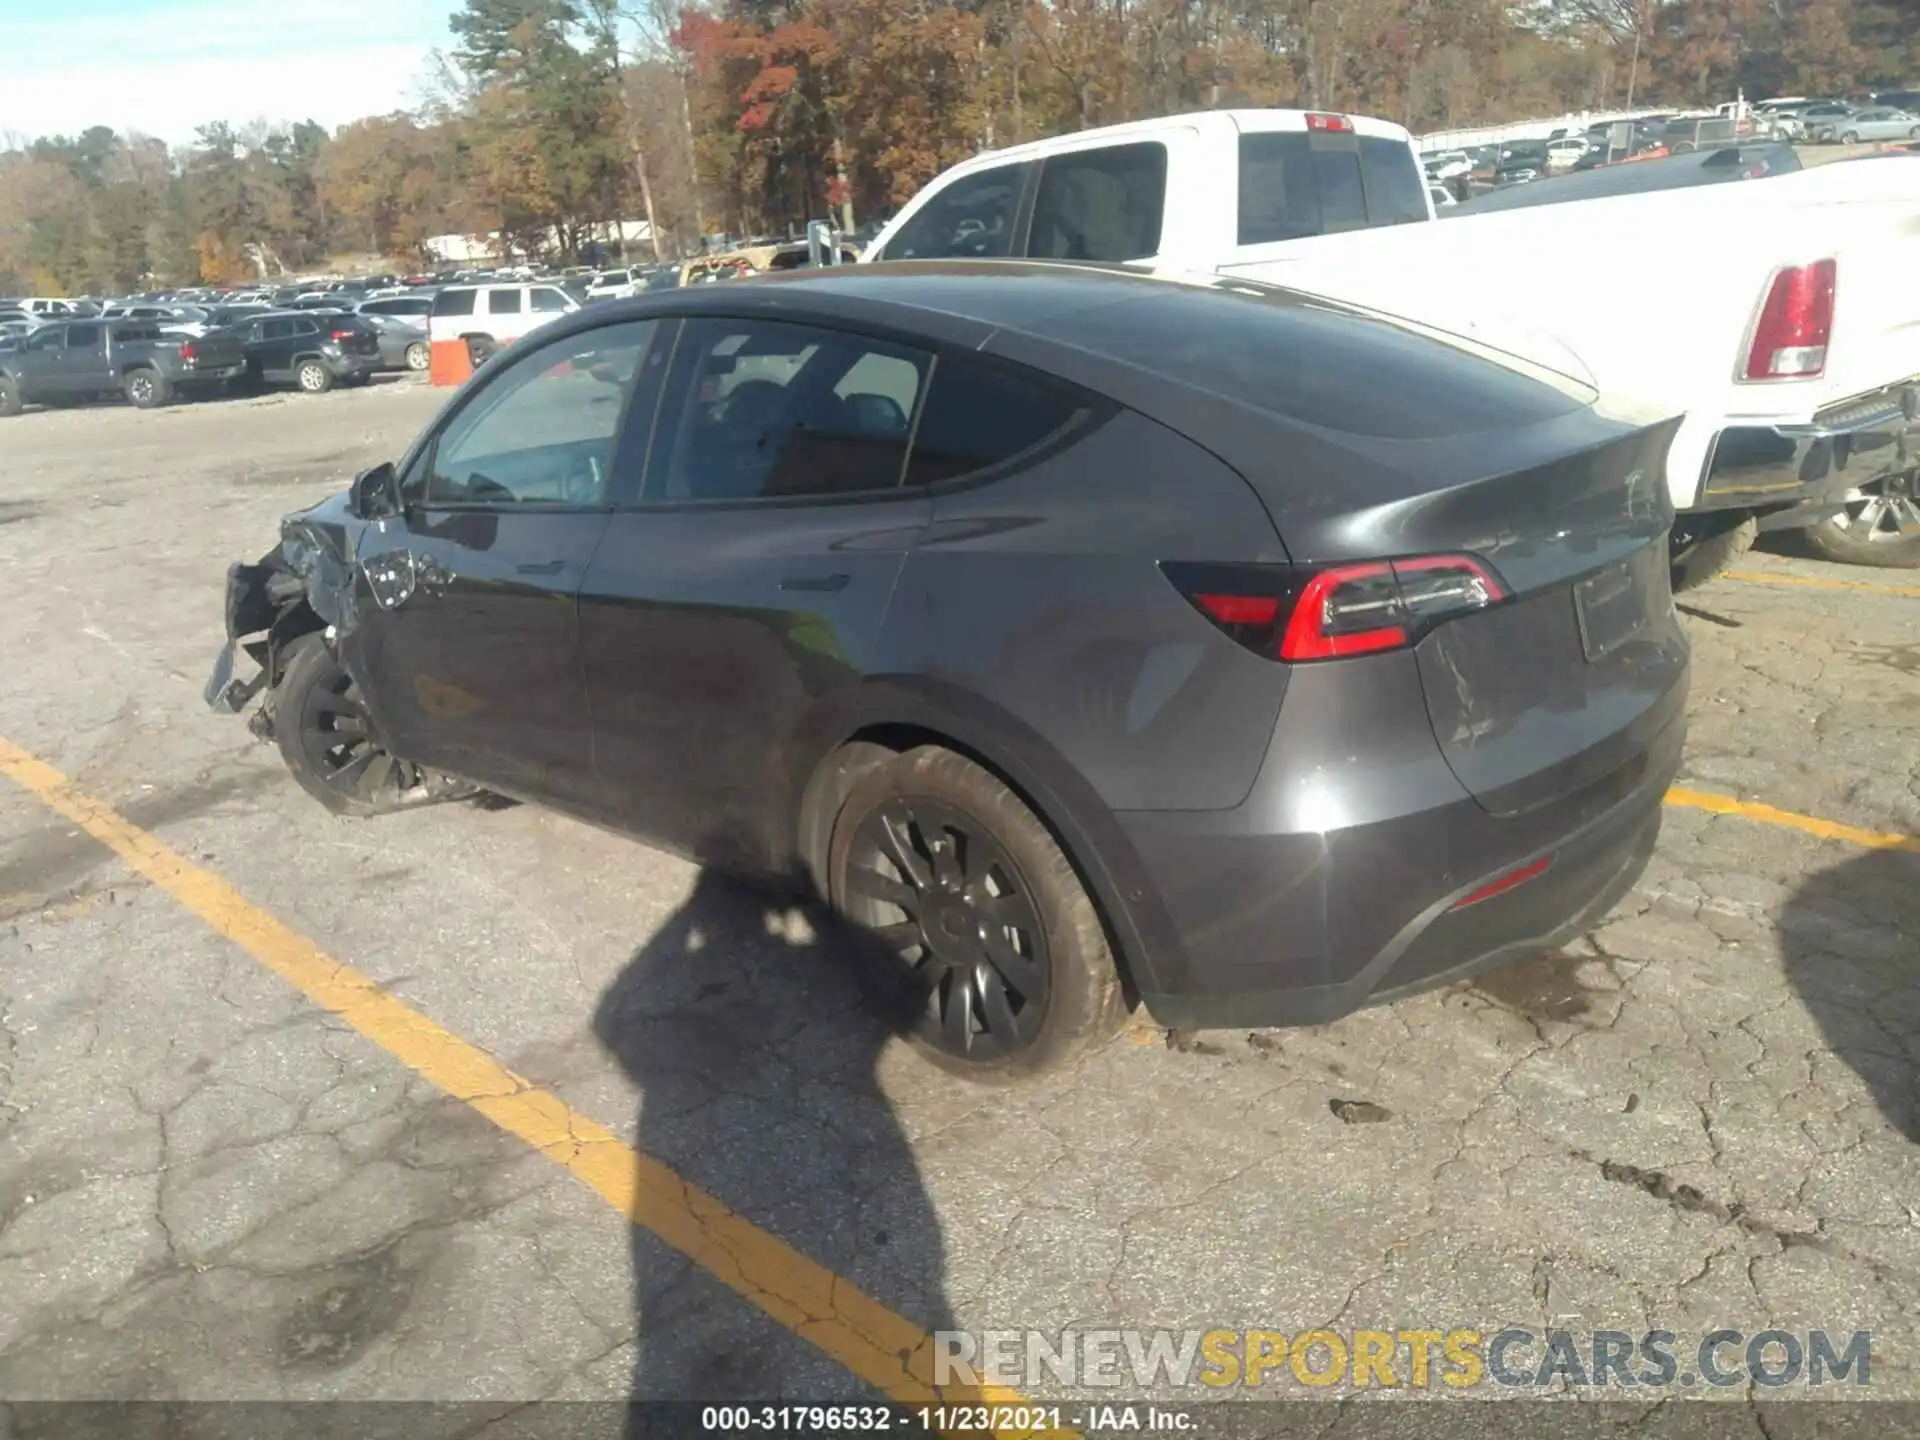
(1082, 637)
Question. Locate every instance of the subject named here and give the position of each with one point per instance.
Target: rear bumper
(1301, 928)
(1809, 467)
(346, 366)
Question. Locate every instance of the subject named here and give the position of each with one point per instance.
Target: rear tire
(324, 736)
(1000, 968)
(146, 389)
(1697, 560)
(10, 402)
(419, 357)
(1878, 528)
(312, 377)
(480, 349)
(1850, 138)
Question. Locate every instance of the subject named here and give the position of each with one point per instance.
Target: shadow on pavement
(745, 1027)
(1851, 940)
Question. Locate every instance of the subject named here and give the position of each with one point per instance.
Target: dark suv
(1079, 636)
(313, 350)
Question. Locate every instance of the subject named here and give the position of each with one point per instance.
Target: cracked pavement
(1701, 1115)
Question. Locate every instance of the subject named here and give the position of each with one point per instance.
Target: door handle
(544, 567)
(816, 583)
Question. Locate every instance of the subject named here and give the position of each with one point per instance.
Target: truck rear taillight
(1795, 322)
(1299, 615)
(188, 353)
(1333, 124)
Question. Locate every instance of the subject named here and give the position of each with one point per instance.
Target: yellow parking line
(1812, 582)
(884, 1349)
(1792, 820)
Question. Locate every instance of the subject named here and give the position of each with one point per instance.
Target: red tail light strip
(1506, 882)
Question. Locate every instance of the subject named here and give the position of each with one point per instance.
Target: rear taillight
(1384, 605)
(1359, 609)
(188, 353)
(1795, 322)
(344, 335)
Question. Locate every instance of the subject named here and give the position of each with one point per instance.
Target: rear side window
(1101, 204)
(972, 218)
(503, 302)
(1322, 366)
(1294, 184)
(979, 415)
(453, 302)
(762, 409)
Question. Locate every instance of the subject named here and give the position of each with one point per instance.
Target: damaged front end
(304, 594)
(301, 587)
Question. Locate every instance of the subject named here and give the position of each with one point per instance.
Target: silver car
(1880, 122)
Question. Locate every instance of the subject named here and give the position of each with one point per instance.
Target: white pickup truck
(1782, 317)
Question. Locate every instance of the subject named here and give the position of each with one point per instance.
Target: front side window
(545, 430)
(547, 300)
(1103, 204)
(971, 218)
(47, 339)
(768, 410)
(503, 302)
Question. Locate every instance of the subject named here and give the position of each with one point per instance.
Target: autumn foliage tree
(755, 116)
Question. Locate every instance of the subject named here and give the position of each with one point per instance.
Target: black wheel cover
(337, 742)
(940, 892)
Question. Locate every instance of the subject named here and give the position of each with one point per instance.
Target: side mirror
(375, 493)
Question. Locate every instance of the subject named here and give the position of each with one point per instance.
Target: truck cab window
(971, 218)
(1103, 204)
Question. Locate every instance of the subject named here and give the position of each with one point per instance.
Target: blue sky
(165, 66)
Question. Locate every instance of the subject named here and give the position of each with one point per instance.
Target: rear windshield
(453, 302)
(1299, 183)
(1321, 365)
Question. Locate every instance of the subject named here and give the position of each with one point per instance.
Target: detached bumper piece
(1808, 469)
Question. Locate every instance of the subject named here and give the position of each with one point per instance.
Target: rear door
(272, 354)
(469, 653)
(751, 575)
(83, 361)
(506, 318)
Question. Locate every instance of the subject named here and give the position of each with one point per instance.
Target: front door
(467, 650)
(752, 576)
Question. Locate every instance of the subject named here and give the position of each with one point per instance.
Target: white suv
(490, 317)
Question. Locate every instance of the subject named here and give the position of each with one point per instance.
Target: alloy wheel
(940, 892)
(338, 743)
(311, 379)
(1882, 510)
(140, 388)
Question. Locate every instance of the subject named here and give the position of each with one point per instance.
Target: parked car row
(72, 361)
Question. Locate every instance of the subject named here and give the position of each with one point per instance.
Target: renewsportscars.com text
(1456, 1359)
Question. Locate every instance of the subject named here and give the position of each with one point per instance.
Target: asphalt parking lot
(294, 1106)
